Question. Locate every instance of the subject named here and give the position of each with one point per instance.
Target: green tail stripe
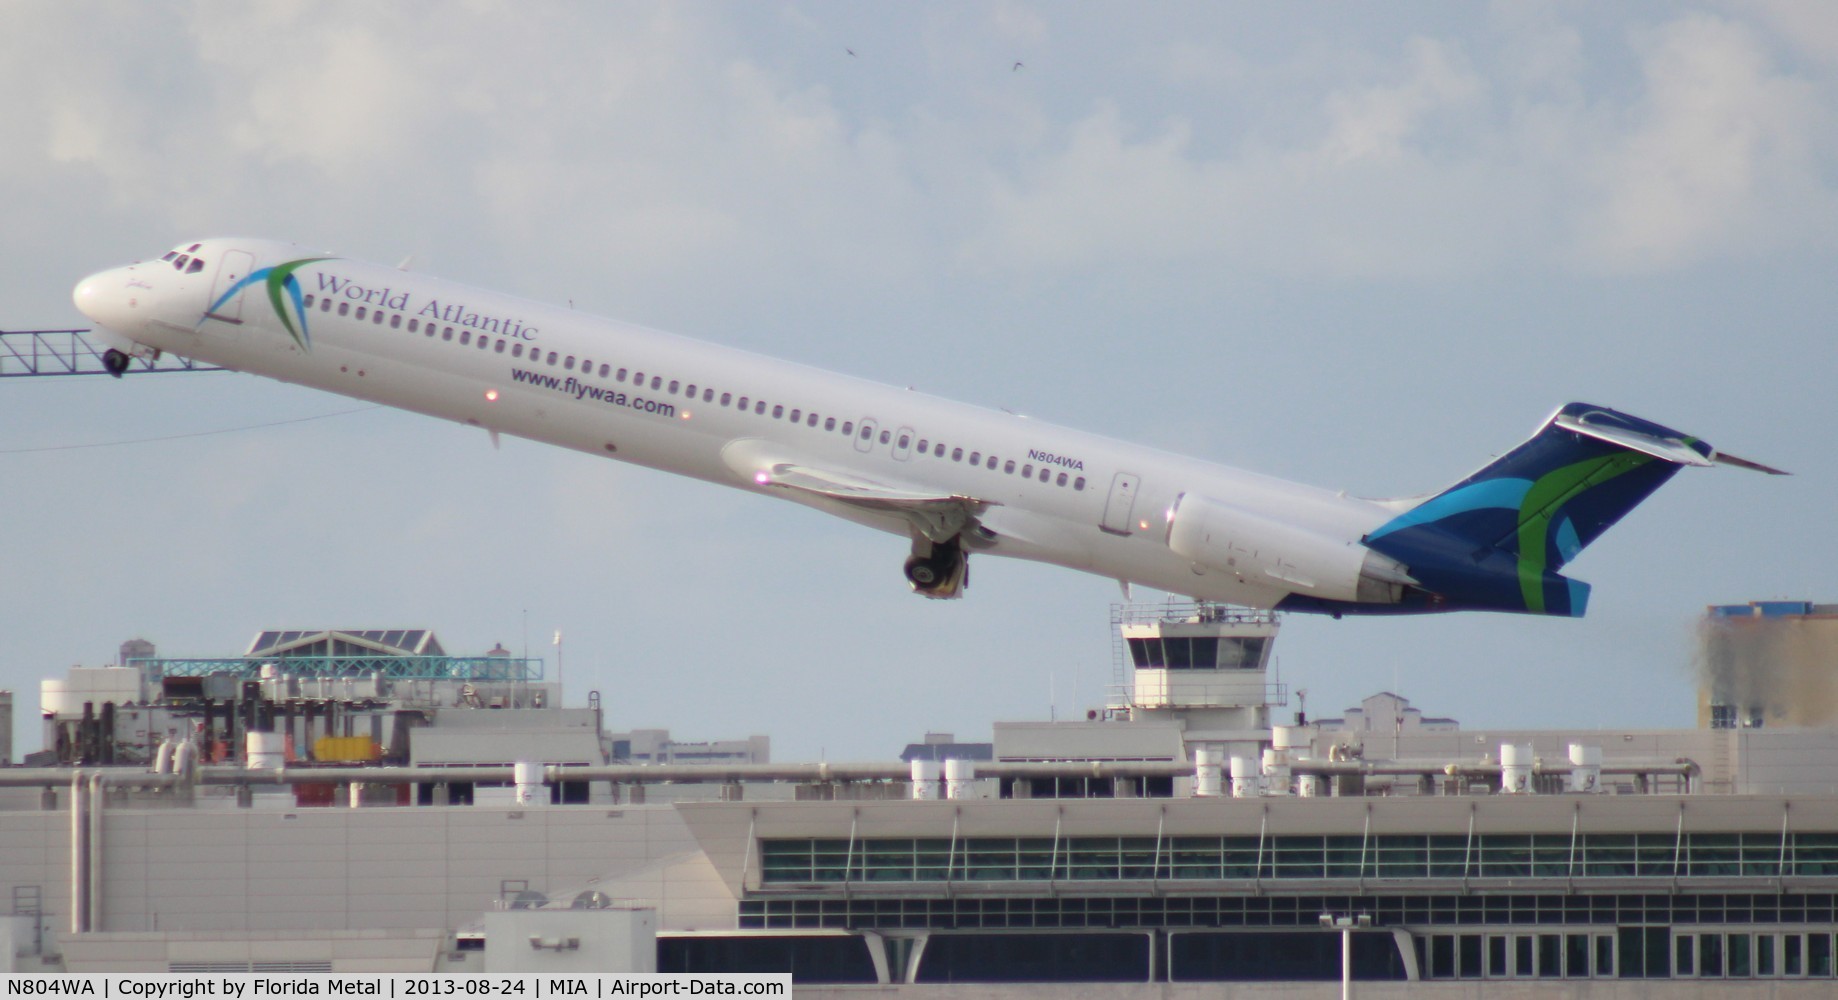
(1546, 496)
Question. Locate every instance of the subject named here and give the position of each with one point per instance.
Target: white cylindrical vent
(960, 779)
(926, 776)
(1276, 772)
(1207, 766)
(1515, 768)
(1308, 786)
(527, 776)
(1247, 777)
(1290, 738)
(1585, 768)
(265, 751)
(162, 759)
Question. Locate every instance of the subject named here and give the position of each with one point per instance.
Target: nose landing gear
(939, 570)
(115, 362)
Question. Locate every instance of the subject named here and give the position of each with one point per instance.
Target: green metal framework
(456, 668)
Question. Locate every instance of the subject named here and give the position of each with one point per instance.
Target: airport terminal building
(1179, 841)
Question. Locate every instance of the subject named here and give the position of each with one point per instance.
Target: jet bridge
(26, 353)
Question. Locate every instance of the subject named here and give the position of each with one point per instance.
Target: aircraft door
(232, 267)
(864, 434)
(1122, 502)
(903, 443)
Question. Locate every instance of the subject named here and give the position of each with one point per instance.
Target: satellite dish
(528, 899)
(592, 899)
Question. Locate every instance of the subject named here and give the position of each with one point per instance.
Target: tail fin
(1496, 539)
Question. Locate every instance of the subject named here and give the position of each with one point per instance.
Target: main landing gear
(938, 570)
(115, 362)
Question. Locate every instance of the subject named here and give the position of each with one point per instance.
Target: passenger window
(395, 322)
(325, 305)
(796, 415)
(1079, 483)
(848, 427)
(619, 375)
(674, 385)
(939, 449)
(499, 347)
(726, 398)
(708, 395)
(760, 408)
(377, 317)
(904, 440)
(976, 458)
(885, 436)
(1027, 471)
(689, 391)
(604, 369)
(657, 381)
(778, 412)
(992, 463)
(924, 446)
(743, 403)
(466, 338)
(569, 363)
(414, 325)
(1044, 473)
(552, 357)
(638, 379)
(1060, 480)
(486, 340)
(1008, 467)
(360, 312)
(516, 349)
(344, 308)
(309, 301)
(867, 432)
(957, 454)
(810, 421)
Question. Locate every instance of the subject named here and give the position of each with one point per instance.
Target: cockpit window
(170, 254)
(179, 265)
(197, 265)
(193, 248)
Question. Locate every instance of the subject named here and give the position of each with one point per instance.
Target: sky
(1363, 247)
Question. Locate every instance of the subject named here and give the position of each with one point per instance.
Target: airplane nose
(105, 299)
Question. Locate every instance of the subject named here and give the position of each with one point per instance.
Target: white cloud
(1718, 152)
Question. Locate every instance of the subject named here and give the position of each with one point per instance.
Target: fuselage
(551, 374)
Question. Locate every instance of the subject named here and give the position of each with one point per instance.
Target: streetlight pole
(1345, 924)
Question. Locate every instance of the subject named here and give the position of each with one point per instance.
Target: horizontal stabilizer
(1722, 458)
(1603, 425)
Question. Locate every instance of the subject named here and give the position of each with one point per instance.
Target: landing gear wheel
(939, 573)
(115, 362)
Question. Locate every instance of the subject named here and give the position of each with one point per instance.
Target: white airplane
(952, 478)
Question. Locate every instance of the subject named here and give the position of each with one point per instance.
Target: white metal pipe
(79, 886)
(98, 803)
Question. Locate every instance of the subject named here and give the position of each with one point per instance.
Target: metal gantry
(25, 353)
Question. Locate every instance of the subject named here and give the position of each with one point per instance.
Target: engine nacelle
(1259, 550)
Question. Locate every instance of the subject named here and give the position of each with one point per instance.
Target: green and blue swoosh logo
(283, 295)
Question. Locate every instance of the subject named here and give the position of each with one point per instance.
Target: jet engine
(1262, 551)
